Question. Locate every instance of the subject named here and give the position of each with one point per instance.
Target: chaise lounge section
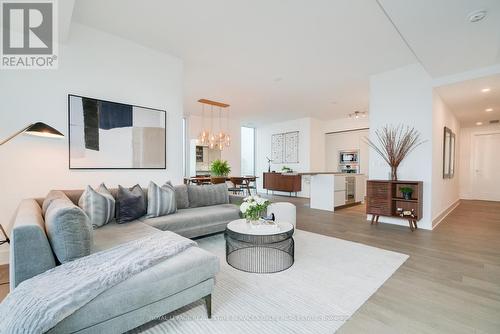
(176, 282)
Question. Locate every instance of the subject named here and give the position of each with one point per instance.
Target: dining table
(201, 180)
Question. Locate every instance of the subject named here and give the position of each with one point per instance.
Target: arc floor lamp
(36, 129)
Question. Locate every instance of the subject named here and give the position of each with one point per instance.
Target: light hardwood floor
(450, 283)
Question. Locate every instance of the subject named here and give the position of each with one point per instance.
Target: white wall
(232, 153)
(317, 151)
(92, 64)
(465, 158)
(343, 124)
(404, 96)
(445, 192)
(350, 140)
(263, 149)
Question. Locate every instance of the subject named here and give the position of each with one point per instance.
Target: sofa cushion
(68, 229)
(99, 205)
(194, 222)
(168, 278)
(207, 195)
(181, 196)
(130, 204)
(161, 200)
(114, 234)
(52, 196)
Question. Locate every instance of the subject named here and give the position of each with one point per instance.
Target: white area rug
(330, 279)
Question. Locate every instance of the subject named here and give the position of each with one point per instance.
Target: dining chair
(217, 179)
(238, 185)
(250, 183)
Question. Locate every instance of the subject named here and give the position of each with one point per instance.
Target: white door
(486, 171)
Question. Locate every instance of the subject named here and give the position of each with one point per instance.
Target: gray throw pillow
(98, 205)
(161, 200)
(68, 229)
(130, 204)
(181, 195)
(208, 195)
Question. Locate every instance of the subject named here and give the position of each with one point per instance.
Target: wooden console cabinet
(282, 182)
(383, 198)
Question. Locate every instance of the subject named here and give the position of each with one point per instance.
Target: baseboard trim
(436, 221)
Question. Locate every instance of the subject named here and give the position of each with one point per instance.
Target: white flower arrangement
(252, 207)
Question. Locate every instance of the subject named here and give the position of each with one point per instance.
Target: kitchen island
(330, 190)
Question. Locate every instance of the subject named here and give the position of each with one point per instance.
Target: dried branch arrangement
(394, 143)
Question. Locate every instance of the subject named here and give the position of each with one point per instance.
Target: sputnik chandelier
(218, 136)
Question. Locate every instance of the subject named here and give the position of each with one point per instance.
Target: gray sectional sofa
(176, 282)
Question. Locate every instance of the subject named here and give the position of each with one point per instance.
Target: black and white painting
(110, 135)
(277, 145)
(292, 147)
(285, 147)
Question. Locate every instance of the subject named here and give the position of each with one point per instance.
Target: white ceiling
(469, 103)
(441, 35)
(275, 59)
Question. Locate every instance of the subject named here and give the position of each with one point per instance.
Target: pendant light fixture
(218, 137)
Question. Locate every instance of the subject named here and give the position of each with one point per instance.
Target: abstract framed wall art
(277, 144)
(292, 147)
(285, 147)
(111, 135)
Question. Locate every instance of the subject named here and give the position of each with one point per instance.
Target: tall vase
(394, 173)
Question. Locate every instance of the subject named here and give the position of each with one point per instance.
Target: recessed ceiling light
(485, 90)
(477, 15)
(479, 123)
(488, 110)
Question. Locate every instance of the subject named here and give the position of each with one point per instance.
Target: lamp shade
(43, 130)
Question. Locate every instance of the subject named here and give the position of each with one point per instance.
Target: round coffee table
(259, 251)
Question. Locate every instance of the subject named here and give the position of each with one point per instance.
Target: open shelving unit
(384, 198)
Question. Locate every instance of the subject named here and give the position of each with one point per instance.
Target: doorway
(486, 167)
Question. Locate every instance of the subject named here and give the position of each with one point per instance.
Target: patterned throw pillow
(161, 200)
(130, 204)
(99, 205)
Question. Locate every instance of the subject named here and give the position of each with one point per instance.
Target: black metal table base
(261, 254)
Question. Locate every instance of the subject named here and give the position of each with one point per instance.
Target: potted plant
(220, 168)
(286, 169)
(406, 191)
(252, 208)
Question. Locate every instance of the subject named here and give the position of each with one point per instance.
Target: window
(184, 147)
(247, 151)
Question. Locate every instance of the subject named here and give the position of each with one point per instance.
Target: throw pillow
(161, 200)
(130, 204)
(98, 205)
(208, 195)
(68, 229)
(181, 196)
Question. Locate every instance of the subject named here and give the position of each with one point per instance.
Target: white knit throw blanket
(39, 303)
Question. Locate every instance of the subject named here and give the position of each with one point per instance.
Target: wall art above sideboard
(285, 147)
(110, 135)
